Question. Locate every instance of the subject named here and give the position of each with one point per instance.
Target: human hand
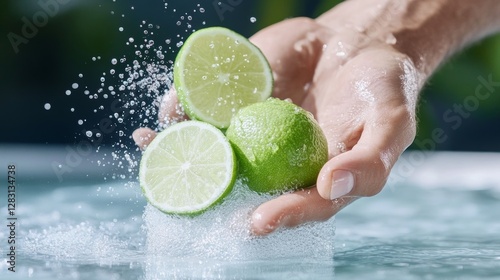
(358, 68)
(362, 94)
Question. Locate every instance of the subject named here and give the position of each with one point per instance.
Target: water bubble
(202, 10)
(114, 61)
(47, 106)
(68, 92)
(131, 40)
(72, 109)
(94, 59)
(88, 133)
(74, 85)
(120, 29)
(253, 19)
(80, 75)
(80, 122)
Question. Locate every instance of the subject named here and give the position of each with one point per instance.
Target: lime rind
(182, 149)
(207, 74)
(279, 146)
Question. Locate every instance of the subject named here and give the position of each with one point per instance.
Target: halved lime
(217, 72)
(187, 168)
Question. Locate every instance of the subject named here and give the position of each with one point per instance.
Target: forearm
(428, 31)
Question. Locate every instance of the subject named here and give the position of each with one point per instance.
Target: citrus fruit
(217, 72)
(187, 168)
(279, 146)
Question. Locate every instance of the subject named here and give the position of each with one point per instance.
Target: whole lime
(279, 146)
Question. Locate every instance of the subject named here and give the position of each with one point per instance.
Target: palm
(353, 89)
(359, 90)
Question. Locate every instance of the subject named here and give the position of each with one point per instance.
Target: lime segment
(217, 72)
(187, 168)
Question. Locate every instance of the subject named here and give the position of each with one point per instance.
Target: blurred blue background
(46, 65)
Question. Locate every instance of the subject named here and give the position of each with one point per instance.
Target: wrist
(430, 31)
(427, 31)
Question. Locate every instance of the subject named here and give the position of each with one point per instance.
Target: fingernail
(342, 183)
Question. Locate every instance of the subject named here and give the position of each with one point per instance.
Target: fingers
(293, 209)
(170, 112)
(292, 55)
(363, 170)
(143, 136)
(170, 109)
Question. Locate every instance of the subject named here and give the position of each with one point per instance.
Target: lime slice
(217, 72)
(187, 168)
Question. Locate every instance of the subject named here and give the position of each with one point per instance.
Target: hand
(358, 68)
(362, 91)
(362, 94)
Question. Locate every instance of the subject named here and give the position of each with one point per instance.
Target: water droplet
(253, 19)
(47, 106)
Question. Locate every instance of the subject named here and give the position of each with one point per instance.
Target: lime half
(217, 72)
(187, 168)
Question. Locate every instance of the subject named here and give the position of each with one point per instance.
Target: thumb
(363, 170)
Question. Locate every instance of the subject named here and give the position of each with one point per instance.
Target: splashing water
(129, 93)
(135, 84)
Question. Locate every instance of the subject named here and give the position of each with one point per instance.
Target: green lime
(217, 72)
(279, 146)
(187, 168)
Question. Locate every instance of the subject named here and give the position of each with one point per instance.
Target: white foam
(223, 234)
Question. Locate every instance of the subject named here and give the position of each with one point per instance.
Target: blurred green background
(47, 65)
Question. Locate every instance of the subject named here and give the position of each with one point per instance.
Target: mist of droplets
(223, 233)
(135, 85)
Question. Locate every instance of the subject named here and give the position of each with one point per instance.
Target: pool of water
(438, 218)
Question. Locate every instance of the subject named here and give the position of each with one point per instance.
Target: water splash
(223, 234)
(129, 92)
